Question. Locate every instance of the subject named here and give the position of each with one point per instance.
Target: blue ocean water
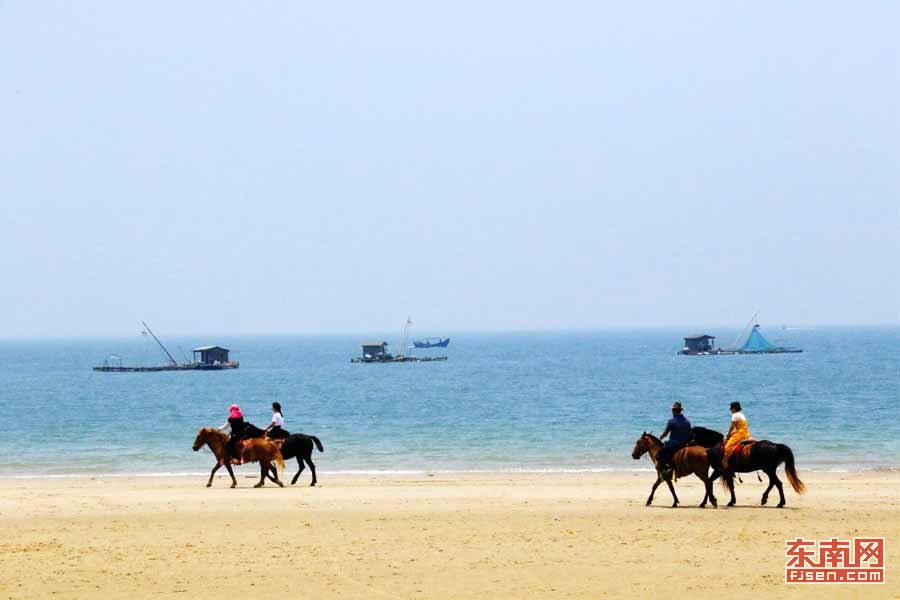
(529, 401)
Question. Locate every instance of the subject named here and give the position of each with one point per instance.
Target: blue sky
(267, 168)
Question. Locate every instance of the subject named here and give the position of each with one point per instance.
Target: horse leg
(708, 487)
(672, 489)
(263, 467)
(299, 462)
(712, 495)
(780, 489)
(213, 472)
(312, 468)
(230, 472)
(653, 490)
(272, 474)
(274, 470)
(765, 496)
(730, 482)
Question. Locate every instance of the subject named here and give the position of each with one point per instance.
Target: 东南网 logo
(860, 560)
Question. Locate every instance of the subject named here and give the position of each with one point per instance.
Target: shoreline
(409, 472)
(572, 535)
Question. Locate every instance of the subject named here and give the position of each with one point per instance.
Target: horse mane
(654, 438)
(214, 431)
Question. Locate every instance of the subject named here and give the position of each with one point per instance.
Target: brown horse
(687, 461)
(260, 450)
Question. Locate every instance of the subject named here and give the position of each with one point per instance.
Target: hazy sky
(309, 167)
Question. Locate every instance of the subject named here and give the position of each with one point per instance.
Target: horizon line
(687, 329)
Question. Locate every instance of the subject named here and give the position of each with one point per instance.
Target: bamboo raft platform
(178, 367)
(397, 359)
(376, 352)
(212, 358)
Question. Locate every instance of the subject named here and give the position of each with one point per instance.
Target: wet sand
(461, 536)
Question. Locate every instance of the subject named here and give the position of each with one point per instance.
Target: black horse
(764, 456)
(300, 446)
(701, 436)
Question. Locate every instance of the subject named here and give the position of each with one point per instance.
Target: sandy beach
(425, 536)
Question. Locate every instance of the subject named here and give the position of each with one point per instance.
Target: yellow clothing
(741, 432)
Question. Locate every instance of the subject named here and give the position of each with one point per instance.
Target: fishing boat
(205, 358)
(750, 341)
(432, 343)
(376, 352)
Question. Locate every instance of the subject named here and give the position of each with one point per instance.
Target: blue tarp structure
(756, 342)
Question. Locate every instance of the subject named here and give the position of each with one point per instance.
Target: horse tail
(318, 443)
(726, 480)
(789, 469)
(279, 460)
(726, 475)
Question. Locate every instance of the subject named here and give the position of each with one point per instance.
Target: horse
(762, 456)
(701, 436)
(300, 445)
(260, 450)
(687, 460)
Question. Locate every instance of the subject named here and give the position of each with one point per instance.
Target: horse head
(200, 439)
(643, 445)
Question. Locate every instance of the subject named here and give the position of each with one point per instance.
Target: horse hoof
(731, 504)
(647, 503)
(279, 484)
(313, 484)
(781, 505)
(208, 485)
(714, 503)
(233, 485)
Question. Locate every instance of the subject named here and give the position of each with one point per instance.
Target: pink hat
(235, 412)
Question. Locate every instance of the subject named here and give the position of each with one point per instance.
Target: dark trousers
(668, 450)
(277, 433)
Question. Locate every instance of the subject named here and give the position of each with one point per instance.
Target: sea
(517, 402)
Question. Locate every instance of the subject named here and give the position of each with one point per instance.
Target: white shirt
(738, 416)
(277, 420)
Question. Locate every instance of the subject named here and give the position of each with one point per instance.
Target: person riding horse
(276, 430)
(236, 427)
(678, 429)
(738, 432)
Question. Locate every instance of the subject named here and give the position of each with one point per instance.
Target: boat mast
(405, 340)
(743, 335)
(150, 331)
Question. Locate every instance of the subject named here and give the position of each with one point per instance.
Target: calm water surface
(529, 401)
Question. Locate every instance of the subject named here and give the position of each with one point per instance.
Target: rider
(276, 430)
(737, 432)
(235, 425)
(679, 430)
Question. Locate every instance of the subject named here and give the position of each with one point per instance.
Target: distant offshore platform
(211, 358)
(754, 343)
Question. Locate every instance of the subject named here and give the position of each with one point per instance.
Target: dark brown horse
(300, 446)
(762, 456)
(687, 461)
(261, 450)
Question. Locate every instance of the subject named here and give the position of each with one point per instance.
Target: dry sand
(460, 536)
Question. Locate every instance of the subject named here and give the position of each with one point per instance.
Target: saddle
(741, 454)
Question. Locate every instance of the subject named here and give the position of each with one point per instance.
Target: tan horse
(261, 450)
(687, 461)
